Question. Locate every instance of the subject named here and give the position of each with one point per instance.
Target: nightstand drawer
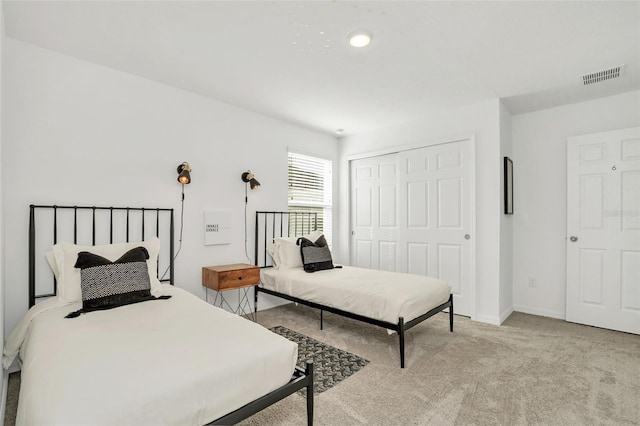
(226, 277)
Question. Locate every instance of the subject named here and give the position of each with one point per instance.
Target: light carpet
(529, 371)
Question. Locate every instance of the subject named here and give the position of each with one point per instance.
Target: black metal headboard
(91, 225)
(271, 225)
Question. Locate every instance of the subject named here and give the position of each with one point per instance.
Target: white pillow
(51, 260)
(274, 253)
(289, 255)
(289, 252)
(66, 255)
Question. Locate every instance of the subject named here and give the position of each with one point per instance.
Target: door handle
(573, 238)
(467, 236)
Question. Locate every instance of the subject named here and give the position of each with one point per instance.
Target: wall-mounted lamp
(184, 173)
(184, 177)
(251, 179)
(248, 177)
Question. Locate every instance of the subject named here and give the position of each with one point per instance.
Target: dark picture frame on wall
(508, 186)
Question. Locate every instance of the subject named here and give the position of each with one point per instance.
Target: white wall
(2, 280)
(506, 222)
(80, 133)
(539, 153)
(123, 136)
(480, 121)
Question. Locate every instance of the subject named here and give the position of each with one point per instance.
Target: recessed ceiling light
(360, 38)
(339, 131)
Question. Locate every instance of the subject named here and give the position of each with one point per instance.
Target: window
(310, 186)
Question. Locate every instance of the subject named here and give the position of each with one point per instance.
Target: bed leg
(255, 304)
(321, 319)
(309, 373)
(401, 336)
(451, 313)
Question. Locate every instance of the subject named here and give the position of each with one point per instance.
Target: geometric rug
(330, 365)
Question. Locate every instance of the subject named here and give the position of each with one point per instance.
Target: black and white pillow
(316, 256)
(106, 284)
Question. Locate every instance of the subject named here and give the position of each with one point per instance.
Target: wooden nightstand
(237, 276)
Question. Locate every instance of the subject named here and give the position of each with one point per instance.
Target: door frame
(424, 144)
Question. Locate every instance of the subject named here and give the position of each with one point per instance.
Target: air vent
(597, 77)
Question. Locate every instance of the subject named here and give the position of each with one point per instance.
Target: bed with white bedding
(386, 296)
(395, 301)
(165, 358)
(178, 361)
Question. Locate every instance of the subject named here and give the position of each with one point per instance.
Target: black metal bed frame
(300, 378)
(32, 236)
(401, 327)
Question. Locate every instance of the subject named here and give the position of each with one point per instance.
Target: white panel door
(374, 212)
(436, 186)
(412, 212)
(603, 225)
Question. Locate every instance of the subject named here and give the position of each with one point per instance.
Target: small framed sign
(217, 227)
(508, 186)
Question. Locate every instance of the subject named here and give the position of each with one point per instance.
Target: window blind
(310, 190)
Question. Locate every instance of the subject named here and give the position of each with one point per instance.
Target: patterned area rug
(330, 365)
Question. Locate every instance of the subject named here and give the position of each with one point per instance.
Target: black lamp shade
(184, 173)
(251, 179)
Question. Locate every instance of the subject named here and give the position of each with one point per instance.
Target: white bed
(381, 295)
(173, 362)
(112, 345)
(300, 268)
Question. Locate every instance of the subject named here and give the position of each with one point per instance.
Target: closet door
(412, 212)
(374, 213)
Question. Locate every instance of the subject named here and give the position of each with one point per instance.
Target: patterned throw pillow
(107, 285)
(316, 256)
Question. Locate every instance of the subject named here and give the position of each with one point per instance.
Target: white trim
(310, 204)
(506, 314)
(487, 319)
(308, 154)
(540, 312)
(408, 147)
(474, 235)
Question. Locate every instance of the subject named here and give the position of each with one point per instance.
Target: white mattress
(168, 362)
(381, 295)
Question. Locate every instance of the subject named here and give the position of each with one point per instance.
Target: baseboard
(540, 312)
(490, 319)
(506, 314)
(487, 319)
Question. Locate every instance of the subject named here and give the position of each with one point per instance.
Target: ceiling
(291, 60)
